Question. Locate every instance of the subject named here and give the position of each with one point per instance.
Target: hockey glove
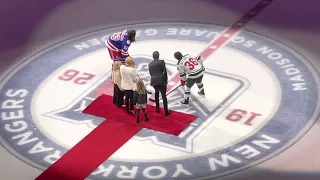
(183, 82)
(198, 58)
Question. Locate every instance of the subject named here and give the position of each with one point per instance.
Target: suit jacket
(128, 77)
(158, 73)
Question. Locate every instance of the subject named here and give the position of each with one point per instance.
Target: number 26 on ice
(76, 77)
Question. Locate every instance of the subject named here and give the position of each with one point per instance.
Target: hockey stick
(153, 100)
(197, 58)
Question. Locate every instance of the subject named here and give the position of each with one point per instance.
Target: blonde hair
(129, 61)
(141, 89)
(116, 65)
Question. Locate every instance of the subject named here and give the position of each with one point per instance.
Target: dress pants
(163, 90)
(129, 99)
(118, 96)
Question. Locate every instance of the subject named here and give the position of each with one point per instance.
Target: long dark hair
(132, 35)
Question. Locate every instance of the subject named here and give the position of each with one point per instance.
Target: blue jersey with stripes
(121, 42)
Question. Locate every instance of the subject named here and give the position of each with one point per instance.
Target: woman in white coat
(128, 83)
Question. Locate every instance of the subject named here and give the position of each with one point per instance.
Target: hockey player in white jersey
(191, 72)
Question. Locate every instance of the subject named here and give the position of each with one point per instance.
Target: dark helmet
(178, 55)
(132, 35)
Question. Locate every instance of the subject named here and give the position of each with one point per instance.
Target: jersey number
(190, 63)
(116, 36)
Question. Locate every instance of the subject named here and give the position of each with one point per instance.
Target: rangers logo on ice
(261, 96)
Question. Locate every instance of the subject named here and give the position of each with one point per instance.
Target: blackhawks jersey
(189, 67)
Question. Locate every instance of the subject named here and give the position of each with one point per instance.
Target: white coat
(128, 77)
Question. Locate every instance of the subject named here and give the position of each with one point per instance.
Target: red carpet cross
(108, 137)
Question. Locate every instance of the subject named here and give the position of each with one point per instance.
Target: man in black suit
(159, 80)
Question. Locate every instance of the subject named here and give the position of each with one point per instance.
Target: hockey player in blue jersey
(119, 43)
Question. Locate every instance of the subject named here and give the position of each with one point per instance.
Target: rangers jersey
(190, 68)
(119, 41)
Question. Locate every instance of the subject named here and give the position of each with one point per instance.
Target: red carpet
(81, 160)
(173, 124)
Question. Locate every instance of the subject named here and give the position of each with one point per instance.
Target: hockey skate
(201, 93)
(185, 102)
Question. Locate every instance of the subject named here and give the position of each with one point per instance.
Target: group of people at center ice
(129, 89)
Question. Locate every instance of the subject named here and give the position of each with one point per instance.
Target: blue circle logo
(261, 97)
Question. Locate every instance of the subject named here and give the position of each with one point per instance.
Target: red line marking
(223, 38)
